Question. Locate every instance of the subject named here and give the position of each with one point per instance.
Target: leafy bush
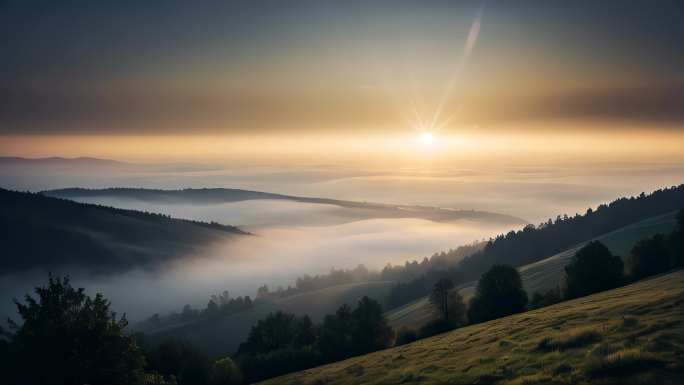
(68, 337)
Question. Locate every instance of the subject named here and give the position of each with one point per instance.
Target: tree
(592, 269)
(68, 337)
(175, 359)
(675, 241)
(225, 372)
(335, 335)
(498, 293)
(271, 333)
(649, 256)
(370, 330)
(448, 303)
(303, 332)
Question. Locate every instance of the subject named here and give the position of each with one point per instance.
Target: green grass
(633, 334)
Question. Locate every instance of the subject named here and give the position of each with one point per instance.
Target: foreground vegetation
(633, 334)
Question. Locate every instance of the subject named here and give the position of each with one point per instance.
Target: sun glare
(426, 138)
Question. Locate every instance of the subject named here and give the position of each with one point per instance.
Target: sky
(268, 78)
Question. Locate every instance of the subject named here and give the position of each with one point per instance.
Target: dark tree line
(594, 268)
(438, 261)
(534, 243)
(659, 253)
(223, 305)
(46, 232)
(282, 343)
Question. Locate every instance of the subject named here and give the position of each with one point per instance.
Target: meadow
(633, 334)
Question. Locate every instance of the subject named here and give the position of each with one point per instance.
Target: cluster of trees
(175, 362)
(67, 337)
(534, 243)
(46, 232)
(499, 292)
(283, 343)
(594, 268)
(222, 304)
(438, 261)
(659, 253)
(307, 282)
(335, 277)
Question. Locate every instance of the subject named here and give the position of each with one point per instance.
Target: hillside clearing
(636, 329)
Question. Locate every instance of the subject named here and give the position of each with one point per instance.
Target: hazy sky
(256, 67)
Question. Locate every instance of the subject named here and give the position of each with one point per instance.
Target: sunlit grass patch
(623, 361)
(538, 378)
(572, 338)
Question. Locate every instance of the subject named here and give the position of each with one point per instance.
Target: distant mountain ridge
(219, 195)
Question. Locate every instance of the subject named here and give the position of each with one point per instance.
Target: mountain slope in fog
(40, 232)
(353, 210)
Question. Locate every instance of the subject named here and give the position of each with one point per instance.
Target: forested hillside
(535, 243)
(44, 232)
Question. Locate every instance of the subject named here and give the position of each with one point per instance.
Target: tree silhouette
(592, 269)
(69, 338)
(303, 332)
(448, 303)
(370, 328)
(649, 256)
(271, 333)
(499, 293)
(675, 242)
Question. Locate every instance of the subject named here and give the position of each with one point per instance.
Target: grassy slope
(546, 274)
(640, 327)
(220, 336)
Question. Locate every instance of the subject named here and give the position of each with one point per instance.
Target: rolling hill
(547, 273)
(636, 329)
(219, 336)
(40, 232)
(352, 210)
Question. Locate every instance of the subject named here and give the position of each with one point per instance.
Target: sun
(426, 138)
